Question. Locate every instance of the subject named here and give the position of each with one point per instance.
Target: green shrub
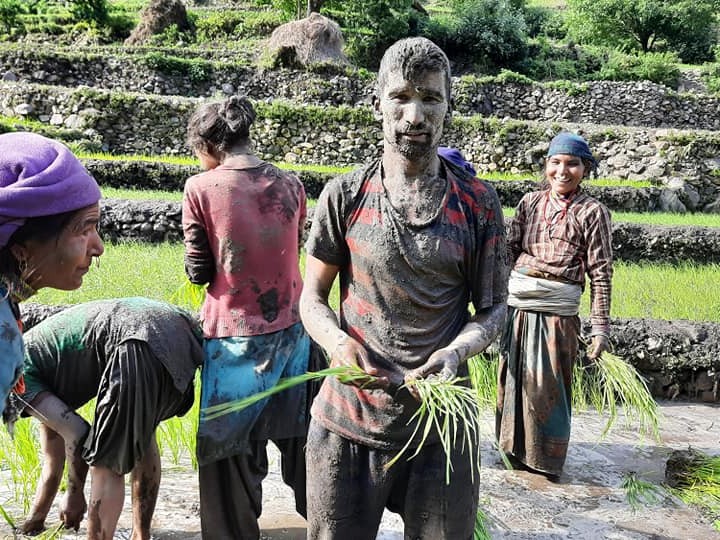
(545, 21)
(9, 15)
(661, 68)
(711, 76)
(196, 69)
(219, 26)
(490, 33)
(547, 61)
(89, 10)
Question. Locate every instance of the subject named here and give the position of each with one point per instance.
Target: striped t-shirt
(405, 289)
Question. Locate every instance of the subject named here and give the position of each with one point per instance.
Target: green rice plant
(695, 480)
(639, 492)
(141, 194)
(345, 374)
(611, 384)
(7, 517)
(483, 372)
(189, 295)
(22, 456)
(480, 532)
(452, 409)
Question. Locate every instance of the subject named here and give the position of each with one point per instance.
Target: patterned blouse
(564, 240)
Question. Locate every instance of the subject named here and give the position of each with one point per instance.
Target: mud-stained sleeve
(199, 261)
(326, 240)
(515, 232)
(489, 271)
(600, 269)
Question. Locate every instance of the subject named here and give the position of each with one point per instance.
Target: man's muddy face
(413, 112)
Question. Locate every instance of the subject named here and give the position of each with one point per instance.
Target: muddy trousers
(231, 489)
(349, 487)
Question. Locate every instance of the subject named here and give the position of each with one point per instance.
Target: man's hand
(599, 345)
(444, 362)
(349, 352)
(72, 509)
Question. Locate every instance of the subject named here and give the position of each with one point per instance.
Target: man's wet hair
(413, 57)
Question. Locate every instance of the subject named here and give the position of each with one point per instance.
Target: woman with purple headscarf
(48, 233)
(558, 236)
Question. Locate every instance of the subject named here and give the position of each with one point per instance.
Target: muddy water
(588, 503)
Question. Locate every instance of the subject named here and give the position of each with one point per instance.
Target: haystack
(156, 17)
(306, 42)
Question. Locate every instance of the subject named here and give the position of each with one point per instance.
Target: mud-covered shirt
(242, 229)
(67, 353)
(405, 290)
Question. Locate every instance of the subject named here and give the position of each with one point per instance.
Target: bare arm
(53, 449)
(322, 324)
(60, 419)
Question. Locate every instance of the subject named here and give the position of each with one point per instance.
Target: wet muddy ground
(588, 503)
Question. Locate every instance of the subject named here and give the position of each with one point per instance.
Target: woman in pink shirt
(242, 221)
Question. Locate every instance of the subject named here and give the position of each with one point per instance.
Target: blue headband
(571, 144)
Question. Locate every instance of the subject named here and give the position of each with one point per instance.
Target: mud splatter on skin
(94, 523)
(148, 497)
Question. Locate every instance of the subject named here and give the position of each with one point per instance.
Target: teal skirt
(238, 367)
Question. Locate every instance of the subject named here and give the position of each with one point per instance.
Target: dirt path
(588, 503)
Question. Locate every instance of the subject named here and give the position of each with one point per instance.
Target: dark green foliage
(371, 26)
(688, 27)
(488, 33)
(711, 76)
(544, 21)
(89, 10)
(547, 61)
(661, 68)
(10, 11)
(196, 69)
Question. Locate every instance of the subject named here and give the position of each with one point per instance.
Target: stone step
(160, 221)
(203, 73)
(157, 175)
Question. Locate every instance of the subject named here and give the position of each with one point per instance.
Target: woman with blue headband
(558, 236)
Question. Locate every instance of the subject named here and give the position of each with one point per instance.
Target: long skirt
(532, 422)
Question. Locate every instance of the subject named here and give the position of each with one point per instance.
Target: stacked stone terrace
(110, 99)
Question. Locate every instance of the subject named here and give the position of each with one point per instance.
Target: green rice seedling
(452, 409)
(346, 374)
(189, 295)
(22, 455)
(611, 384)
(7, 517)
(639, 492)
(480, 532)
(694, 477)
(483, 369)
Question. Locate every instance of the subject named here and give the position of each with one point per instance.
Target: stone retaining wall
(160, 221)
(144, 175)
(146, 124)
(599, 102)
(678, 358)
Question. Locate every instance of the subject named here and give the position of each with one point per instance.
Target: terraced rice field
(109, 111)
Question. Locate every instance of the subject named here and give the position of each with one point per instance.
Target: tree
(686, 26)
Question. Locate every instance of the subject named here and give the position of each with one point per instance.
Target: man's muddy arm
(479, 332)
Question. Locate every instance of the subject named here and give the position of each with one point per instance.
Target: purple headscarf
(454, 156)
(39, 177)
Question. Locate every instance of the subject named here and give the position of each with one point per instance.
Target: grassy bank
(639, 290)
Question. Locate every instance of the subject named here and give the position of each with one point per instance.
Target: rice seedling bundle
(639, 492)
(445, 405)
(189, 295)
(609, 385)
(452, 409)
(694, 477)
